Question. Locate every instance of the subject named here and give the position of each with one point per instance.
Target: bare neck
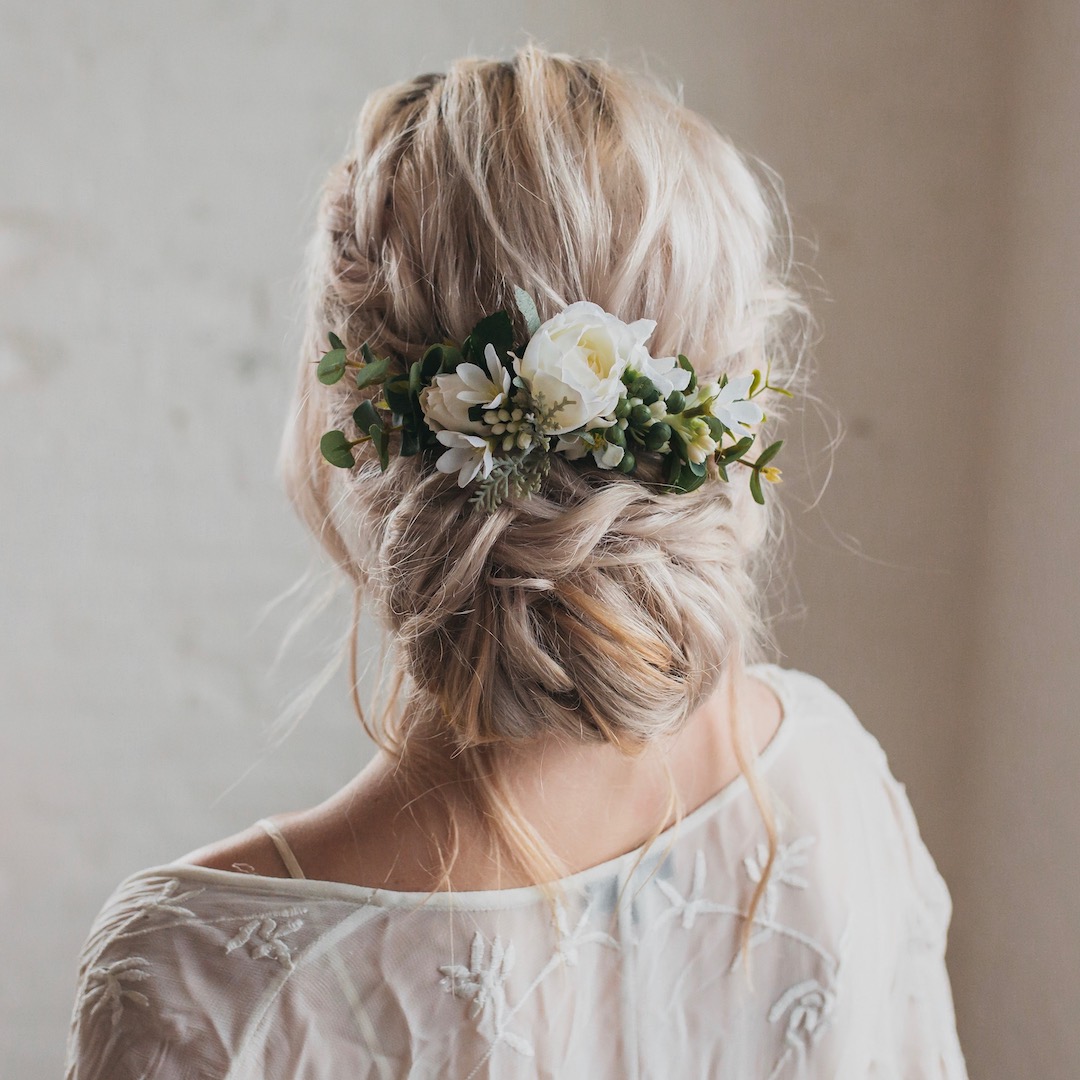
(588, 802)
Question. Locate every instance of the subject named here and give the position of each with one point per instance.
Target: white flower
(575, 361)
(663, 370)
(696, 434)
(468, 455)
(731, 407)
(606, 454)
(489, 388)
(446, 402)
(573, 447)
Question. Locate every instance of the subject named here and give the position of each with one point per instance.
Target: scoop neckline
(772, 674)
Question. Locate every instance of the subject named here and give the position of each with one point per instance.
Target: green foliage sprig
(684, 429)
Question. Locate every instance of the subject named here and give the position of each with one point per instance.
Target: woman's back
(197, 972)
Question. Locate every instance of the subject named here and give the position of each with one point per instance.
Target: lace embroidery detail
(168, 900)
(811, 1003)
(483, 982)
(811, 1006)
(571, 940)
(265, 934)
(106, 986)
(689, 907)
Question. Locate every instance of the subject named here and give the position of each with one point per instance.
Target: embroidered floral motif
(789, 858)
(689, 907)
(571, 940)
(483, 983)
(105, 986)
(265, 935)
(811, 1006)
(167, 899)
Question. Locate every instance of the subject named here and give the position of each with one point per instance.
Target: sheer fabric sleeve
(924, 1036)
(137, 1015)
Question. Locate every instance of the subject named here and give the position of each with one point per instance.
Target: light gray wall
(156, 187)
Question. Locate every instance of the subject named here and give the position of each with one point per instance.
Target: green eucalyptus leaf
(696, 467)
(755, 487)
(733, 453)
(398, 395)
(337, 449)
(431, 362)
(416, 379)
(721, 468)
(331, 366)
(365, 414)
(527, 306)
(381, 442)
(335, 341)
(410, 442)
(495, 330)
(374, 371)
(451, 357)
(689, 480)
(674, 467)
(768, 454)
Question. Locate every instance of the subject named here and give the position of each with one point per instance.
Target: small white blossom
(664, 371)
(468, 455)
(696, 434)
(730, 405)
(489, 388)
(608, 455)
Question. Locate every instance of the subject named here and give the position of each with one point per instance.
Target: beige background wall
(158, 173)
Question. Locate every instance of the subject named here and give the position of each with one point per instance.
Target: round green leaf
(331, 366)
(365, 414)
(372, 372)
(337, 449)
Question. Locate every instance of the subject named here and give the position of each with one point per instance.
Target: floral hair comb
(583, 380)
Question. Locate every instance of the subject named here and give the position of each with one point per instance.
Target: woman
(602, 837)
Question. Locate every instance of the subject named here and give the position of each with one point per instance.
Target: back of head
(601, 607)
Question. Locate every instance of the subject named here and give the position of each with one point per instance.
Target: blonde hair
(600, 608)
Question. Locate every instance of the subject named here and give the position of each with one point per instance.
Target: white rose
(447, 400)
(443, 407)
(578, 358)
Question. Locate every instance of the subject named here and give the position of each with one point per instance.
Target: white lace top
(192, 973)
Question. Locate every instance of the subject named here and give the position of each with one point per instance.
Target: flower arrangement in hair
(494, 410)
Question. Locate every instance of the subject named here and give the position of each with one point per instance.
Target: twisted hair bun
(600, 607)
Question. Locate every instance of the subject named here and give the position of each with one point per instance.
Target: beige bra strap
(286, 852)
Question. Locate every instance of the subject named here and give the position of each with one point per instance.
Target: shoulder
(827, 725)
(174, 956)
(844, 778)
(250, 851)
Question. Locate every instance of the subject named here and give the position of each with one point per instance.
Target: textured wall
(159, 170)
(1020, 889)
